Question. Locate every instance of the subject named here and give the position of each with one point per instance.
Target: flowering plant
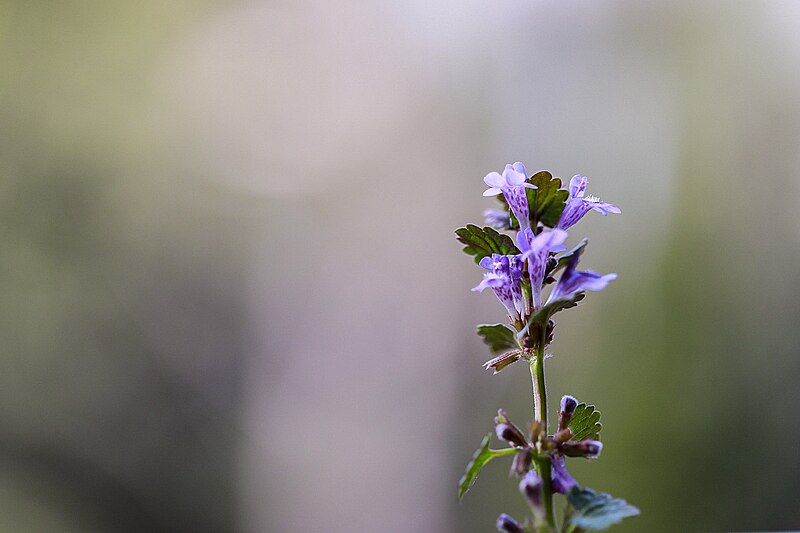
(517, 270)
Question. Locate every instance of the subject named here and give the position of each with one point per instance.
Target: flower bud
(506, 524)
(511, 435)
(568, 405)
(531, 488)
(586, 448)
(521, 463)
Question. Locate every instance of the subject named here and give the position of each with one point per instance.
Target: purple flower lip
(536, 251)
(573, 281)
(578, 204)
(512, 184)
(497, 218)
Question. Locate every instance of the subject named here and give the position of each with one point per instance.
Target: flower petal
(577, 186)
(562, 480)
(550, 241)
(605, 208)
(493, 179)
(487, 263)
(524, 239)
(519, 167)
(513, 177)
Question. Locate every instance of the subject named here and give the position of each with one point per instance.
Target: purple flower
(568, 406)
(506, 524)
(505, 273)
(573, 281)
(497, 218)
(536, 250)
(562, 481)
(531, 488)
(578, 205)
(512, 183)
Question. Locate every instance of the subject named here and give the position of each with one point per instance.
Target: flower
(588, 448)
(562, 481)
(497, 218)
(573, 281)
(531, 488)
(578, 205)
(512, 183)
(505, 273)
(506, 524)
(536, 250)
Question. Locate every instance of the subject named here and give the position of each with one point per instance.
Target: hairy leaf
(482, 242)
(597, 511)
(585, 423)
(499, 337)
(548, 310)
(482, 455)
(547, 201)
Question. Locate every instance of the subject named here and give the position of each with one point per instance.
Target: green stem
(540, 412)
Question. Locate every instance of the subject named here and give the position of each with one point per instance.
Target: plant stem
(540, 412)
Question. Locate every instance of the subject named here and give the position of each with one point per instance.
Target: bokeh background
(231, 296)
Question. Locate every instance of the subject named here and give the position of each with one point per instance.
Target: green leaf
(539, 320)
(547, 201)
(482, 455)
(499, 337)
(585, 423)
(597, 511)
(482, 242)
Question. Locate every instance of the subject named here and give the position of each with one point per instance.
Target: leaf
(499, 337)
(482, 455)
(597, 511)
(539, 320)
(547, 201)
(482, 242)
(567, 257)
(585, 423)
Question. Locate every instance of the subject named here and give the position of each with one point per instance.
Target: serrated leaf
(567, 257)
(547, 202)
(585, 423)
(482, 242)
(499, 337)
(539, 320)
(597, 511)
(482, 455)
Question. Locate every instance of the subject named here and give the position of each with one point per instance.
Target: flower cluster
(518, 270)
(536, 245)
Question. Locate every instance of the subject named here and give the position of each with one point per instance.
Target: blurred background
(232, 299)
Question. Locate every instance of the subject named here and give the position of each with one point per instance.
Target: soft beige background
(232, 300)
